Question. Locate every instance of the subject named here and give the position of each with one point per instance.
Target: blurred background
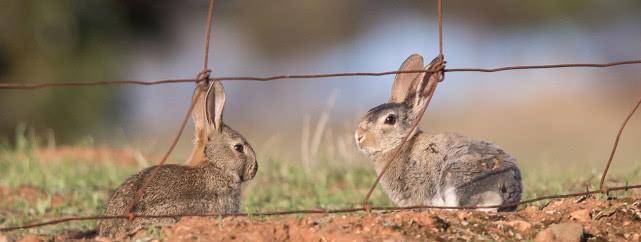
(555, 121)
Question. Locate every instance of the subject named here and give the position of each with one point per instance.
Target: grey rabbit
(442, 169)
(211, 186)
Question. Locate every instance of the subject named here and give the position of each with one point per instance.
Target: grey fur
(443, 169)
(212, 186)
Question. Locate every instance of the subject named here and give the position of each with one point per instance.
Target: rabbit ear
(215, 102)
(424, 87)
(199, 114)
(404, 83)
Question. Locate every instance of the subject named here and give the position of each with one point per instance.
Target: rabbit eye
(391, 119)
(239, 147)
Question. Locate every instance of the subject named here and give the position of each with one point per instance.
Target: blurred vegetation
(33, 188)
(67, 40)
(292, 25)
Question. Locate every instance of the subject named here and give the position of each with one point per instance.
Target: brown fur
(211, 186)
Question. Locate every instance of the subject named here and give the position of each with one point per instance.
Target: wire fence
(434, 75)
(306, 76)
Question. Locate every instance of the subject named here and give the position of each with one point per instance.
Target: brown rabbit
(439, 170)
(212, 186)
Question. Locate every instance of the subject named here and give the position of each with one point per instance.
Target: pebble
(519, 225)
(563, 232)
(582, 215)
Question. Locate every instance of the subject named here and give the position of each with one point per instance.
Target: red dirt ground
(578, 219)
(616, 220)
(97, 154)
(28, 194)
(562, 220)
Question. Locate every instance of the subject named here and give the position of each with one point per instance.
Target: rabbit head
(384, 127)
(225, 148)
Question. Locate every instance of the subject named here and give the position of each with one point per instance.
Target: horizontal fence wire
(204, 78)
(305, 76)
(315, 211)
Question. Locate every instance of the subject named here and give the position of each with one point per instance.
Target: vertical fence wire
(203, 78)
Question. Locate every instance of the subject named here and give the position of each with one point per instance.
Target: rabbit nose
(359, 138)
(359, 135)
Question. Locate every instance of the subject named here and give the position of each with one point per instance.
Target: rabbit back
(471, 172)
(174, 190)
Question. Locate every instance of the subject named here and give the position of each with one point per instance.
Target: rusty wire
(210, 20)
(440, 27)
(510, 68)
(437, 65)
(615, 145)
(140, 192)
(28, 86)
(306, 76)
(203, 78)
(315, 211)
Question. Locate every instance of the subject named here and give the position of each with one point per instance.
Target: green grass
(82, 185)
(283, 185)
(86, 184)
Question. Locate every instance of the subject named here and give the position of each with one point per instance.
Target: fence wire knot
(203, 77)
(437, 66)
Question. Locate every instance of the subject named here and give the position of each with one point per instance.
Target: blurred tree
(68, 41)
(282, 26)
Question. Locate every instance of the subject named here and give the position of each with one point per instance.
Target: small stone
(519, 225)
(582, 215)
(427, 221)
(518, 236)
(463, 215)
(563, 232)
(636, 237)
(3, 238)
(531, 210)
(103, 239)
